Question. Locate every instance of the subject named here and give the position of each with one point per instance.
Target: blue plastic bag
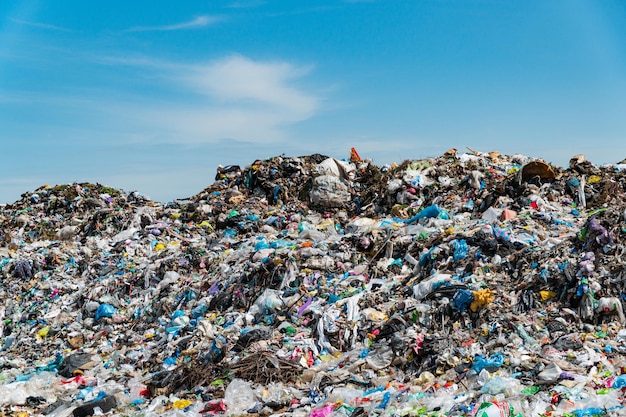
(480, 362)
(105, 310)
(460, 250)
(619, 382)
(428, 212)
(462, 299)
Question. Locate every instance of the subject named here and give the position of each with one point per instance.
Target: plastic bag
(421, 290)
(428, 212)
(619, 382)
(380, 358)
(329, 191)
(496, 409)
(269, 301)
(501, 385)
(550, 373)
(239, 397)
(480, 362)
(105, 310)
(462, 299)
(323, 412)
(460, 250)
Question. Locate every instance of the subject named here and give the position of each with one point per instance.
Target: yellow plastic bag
(481, 299)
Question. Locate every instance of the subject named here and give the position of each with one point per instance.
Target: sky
(152, 96)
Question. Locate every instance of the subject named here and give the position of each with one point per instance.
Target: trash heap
(468, 284)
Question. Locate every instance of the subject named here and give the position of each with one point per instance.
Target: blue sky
(152, 96)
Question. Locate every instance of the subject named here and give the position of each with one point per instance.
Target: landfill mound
(468, 284)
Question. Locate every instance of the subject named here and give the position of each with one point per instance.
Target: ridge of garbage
(466, 284)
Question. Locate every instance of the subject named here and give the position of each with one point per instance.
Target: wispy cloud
(230, 98)
(41, 25)
(246, 4)
(237, 79)
(234, 97)
(198, 22)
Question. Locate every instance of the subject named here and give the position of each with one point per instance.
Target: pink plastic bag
(323, 412)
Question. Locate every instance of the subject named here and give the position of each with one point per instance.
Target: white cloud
(41, 25)
(239, 79)
(230, 98)
(198, 22)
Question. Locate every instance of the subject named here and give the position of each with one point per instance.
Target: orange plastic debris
(354, 155)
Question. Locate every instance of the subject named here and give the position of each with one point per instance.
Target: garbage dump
(470, 284)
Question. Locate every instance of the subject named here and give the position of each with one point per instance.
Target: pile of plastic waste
(471, 284)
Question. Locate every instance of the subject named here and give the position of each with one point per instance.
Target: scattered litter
(471, 284)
